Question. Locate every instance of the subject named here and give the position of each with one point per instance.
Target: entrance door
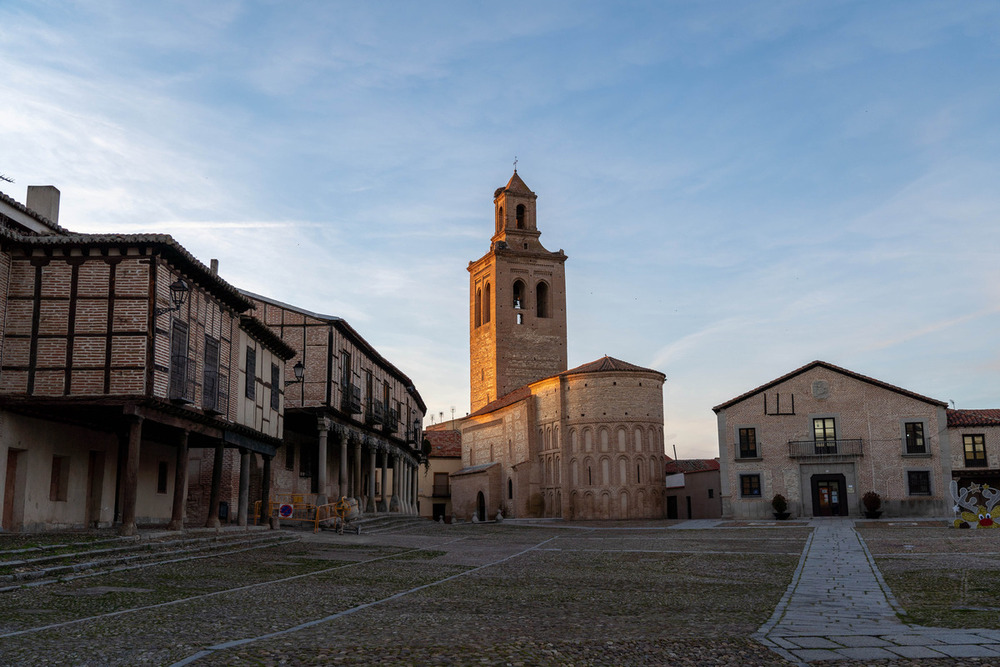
(671, 507)
(11, 497)
(829, 497)
(481, 506)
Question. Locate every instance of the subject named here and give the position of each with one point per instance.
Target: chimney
(215, 267)
(44, 200)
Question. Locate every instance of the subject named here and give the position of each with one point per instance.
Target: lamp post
(300, 370)
(178, 292)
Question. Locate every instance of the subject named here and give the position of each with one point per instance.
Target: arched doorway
(481, 506)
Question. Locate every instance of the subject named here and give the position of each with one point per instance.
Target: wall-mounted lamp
(178, 292)
(300, 370)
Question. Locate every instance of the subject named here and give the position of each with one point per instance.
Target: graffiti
(977, 502)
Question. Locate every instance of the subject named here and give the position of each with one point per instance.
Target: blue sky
(741, 188)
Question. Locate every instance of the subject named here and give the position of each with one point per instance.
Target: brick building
(822, 436)
(542, 440)
(444, 459)
(108, 382)
(138, 387)
(353, 424)
(693, 489)
(974, 439)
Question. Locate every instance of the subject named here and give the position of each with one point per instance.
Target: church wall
(613, 444)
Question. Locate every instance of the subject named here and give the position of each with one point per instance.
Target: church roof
(445, 444)
(471, 470)
(515, 184)
(607, 363)
(691, 466)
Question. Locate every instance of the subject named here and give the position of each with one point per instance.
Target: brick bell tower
(517, 302)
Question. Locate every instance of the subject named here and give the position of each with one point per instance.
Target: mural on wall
(978, 502)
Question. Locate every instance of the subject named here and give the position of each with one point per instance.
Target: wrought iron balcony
(392, 421)
(350, 399)
(374, 413)
(442, 491)
(825, 449)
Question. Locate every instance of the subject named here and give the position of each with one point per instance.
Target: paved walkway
(839, 607)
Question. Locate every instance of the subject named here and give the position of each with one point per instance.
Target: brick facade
(822, 436)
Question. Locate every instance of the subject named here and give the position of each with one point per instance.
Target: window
(748, 443)
(289, 456)
(59, 482)
(919, 482)
(210, 381)
(519, 211)
(518, 295)
(520, 318)
(975, 450)
(478, 308)
(510, 489)
(542, 300)
(251, 384)
(441, 489)
(750, 486)
(711, 493)
(486, 304)
(275, 387)
(178, 360)
(345, 368)
(914, 436)
(825, 435)
(161, 477)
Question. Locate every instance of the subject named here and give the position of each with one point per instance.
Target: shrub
(872, 501)
(779, 504)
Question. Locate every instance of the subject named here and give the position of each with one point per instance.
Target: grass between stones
(941, 576)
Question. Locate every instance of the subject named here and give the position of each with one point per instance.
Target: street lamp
(300, 370)
(178, 292)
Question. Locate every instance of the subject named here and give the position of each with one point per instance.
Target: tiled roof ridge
(975, 417)
(838, 369)
(606, 364)
(34, 214)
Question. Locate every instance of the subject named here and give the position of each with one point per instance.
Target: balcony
(825, 450)
(441, 491)
(350, 399)
(374, 413)
(392, 422)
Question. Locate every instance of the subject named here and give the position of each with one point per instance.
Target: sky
(741, 187)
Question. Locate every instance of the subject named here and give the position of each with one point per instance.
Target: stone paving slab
(838, 607)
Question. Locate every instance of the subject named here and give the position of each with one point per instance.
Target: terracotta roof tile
(691, 465)
(445, 444)
(974, 417)
(607, 363)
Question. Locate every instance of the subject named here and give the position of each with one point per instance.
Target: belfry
(517, 302)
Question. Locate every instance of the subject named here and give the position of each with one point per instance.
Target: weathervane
(515, 164)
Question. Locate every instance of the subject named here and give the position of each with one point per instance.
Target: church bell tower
(517, 302)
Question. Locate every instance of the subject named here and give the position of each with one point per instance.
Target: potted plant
(873, 503)
(780, 507)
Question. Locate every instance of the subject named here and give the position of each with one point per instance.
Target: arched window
(518, 295)
(520, 216)
(542, 300)
(510, 489)
(500, 224)
(478, 314)
(486, 304)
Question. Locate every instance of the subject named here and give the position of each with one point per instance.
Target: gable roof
(510, 398)
(445, 444)
(837, 369)
(973, 418)
(34, 215)
(691, 466)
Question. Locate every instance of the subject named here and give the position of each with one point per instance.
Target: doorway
(671, 507)
(481, 506)
(829, 495)
(13, 492)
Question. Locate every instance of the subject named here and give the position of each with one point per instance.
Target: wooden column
(241, 517)
(179, 511)
(265, 494)
(130, 490)
(371, 479)
(324, 429)
(213, 499)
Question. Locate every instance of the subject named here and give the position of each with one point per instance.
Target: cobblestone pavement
(839, 608)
